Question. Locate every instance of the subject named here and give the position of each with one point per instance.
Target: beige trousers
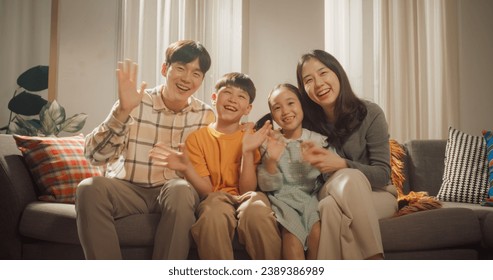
(100, 201)
(220, 215)
(349, 213)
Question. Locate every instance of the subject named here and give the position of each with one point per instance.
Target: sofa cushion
(465, 173)
(431, 230)
(412, 201)
(47, 221)
(57, 165)
(424, 165)
(488, 137)
(445, 254)
(487, 226)
(473, 206)
(55, 222)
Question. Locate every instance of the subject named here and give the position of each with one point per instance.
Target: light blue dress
(293, 189)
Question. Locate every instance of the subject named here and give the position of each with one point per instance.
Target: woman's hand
(326, 161)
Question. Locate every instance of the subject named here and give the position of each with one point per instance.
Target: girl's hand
(162, 155)
(275, 146)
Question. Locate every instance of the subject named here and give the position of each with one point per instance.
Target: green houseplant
(52, 120)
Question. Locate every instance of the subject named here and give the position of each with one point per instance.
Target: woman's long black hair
(349, 110)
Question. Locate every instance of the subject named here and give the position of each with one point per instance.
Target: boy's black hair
(187, 51)
(239, 80)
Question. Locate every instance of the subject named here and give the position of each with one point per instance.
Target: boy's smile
(232, 103)
(230, 108)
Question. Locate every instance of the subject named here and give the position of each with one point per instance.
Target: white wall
(279, 32)
(87, 34)
(476, 65)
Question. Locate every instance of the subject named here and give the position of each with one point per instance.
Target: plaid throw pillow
(465, 173)
(57, 165)
(488, 137)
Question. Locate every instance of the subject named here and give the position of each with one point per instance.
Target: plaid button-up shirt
(125, 147)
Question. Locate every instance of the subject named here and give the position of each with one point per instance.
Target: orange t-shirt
(218, 156)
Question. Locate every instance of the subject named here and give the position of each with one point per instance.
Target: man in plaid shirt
(132, 185)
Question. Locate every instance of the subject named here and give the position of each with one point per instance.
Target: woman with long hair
(357, 191)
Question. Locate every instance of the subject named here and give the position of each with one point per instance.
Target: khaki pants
(221, 214)
(349, 213)
(99, 201)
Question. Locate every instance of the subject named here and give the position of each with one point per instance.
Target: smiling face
(321, 83)
(286, 111)
(232, 103)
(182, 81)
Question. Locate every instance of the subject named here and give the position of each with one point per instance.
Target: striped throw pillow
(465, 173)
(488, 137)
(57, 165)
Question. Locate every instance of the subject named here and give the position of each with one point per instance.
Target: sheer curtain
(404, 56)
(148, 27)
(25, 35)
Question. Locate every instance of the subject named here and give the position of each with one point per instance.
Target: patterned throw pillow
(488, 137)
(57, 165)
(465, 173)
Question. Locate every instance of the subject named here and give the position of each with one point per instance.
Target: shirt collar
(305, 135)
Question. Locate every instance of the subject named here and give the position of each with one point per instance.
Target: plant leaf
(53, 111)
(74, 123)
(35, 123)
(15, 128)
(48, 125)
(51, 115)
(25, 127)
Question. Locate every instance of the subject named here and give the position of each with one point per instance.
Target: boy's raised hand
(253, 139)
(128, 96)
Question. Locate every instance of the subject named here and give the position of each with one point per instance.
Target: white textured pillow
(465, 177)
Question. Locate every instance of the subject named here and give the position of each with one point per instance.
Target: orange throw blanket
(413, 201)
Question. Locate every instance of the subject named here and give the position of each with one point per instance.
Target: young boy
(220, 162)
(140, 119)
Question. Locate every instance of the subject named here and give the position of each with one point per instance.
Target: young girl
(290, 182)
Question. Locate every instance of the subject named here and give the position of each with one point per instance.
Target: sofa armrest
(16, 191)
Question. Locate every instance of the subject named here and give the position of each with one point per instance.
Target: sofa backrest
(424, 163)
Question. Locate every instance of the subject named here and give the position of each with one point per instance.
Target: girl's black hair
(296, 92)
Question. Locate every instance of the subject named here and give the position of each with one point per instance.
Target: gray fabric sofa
(31, 229)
